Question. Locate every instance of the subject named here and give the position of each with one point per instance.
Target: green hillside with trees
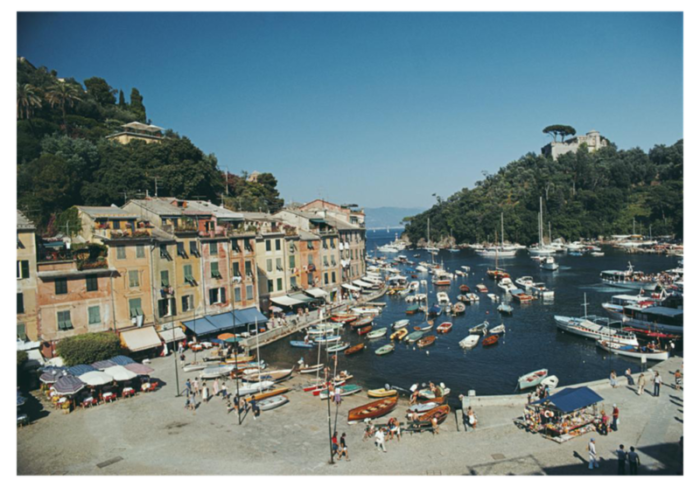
(584, 194)
(63, 158)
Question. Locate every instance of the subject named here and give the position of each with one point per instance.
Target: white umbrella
(120, 373)
(96, 378)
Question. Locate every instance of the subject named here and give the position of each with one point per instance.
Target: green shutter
(215, 270)
(134, 278)
(20, 303)
(187, 269)
(94, 315)
(164, 278)
(25, 269)
(135, 307)
(21, 331)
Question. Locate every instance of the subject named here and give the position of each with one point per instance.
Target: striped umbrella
(68, 385)
(78, 370)
(51, 376)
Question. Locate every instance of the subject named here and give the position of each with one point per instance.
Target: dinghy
(426, 341)
(469, 342)
(338, 348)
(532, 379)
(385, 349)
(379, 333)
(397, 325)
(272, 403)
(399, 335)
(357, 348)
(480, 328)
(383, 392)
(346, 390)
(444, 327)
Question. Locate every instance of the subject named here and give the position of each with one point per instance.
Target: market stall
(564, 415)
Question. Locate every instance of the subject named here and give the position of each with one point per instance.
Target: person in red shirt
(616, 417)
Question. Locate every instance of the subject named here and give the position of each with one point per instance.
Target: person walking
(334, 443)
(613, 379)
(630, 379)
(188, 387)
(343, 449)
(633, 458)
(592, 455)
(621, 460)
(195, 386)
(616, 417)
(678, 379)
(379, 440)
(216, 386)
(205, 392)
(641, 384)
(657, 384)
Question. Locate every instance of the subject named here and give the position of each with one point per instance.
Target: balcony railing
(138, 233)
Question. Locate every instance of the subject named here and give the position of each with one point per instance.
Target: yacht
(541, 248)
(597, 328)
(549, 264)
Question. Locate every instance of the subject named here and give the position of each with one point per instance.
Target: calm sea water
(532, 340)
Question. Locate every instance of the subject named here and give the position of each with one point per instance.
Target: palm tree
(62, 94)
(27, 99)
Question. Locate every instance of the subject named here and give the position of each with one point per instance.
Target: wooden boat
(241, 359)
(426, 327)
(264, 395)
(464, 288)
(470, 341)
(480, 328)
(346, 390)
(362, 322)
(415, 336)
(440, 413)
(364, 330)
(423, 408)
(459, 308)
(444, 327)
(273, 375)
(399, 335)
(344, 317)
(490, 340)
(436, 400)
(385, 349)
(310, 369)
(338, 348)
(382, 392)
(532, 379)
(301, 344)
(413, 309)
(426, 341)
(397, 325)
(355, 349)
(442, 282)
(498, 329)
(272, 403)
(372, 410)
(481, 288)
(379, 333)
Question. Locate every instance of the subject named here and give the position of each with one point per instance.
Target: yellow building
(150, 134)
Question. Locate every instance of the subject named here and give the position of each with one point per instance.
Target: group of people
(193, 391)
(624, 458)
(340, 448)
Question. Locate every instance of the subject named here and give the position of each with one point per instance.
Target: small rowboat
(385, 349)
(382, 392)
(498, 330)
(330, 339)
(444, 327)
(426, 395)
(272, 403)
(310, 369)
(344, 317)
(426, 341)
(480, 328)
(364, 330)
(413, 309)
(464, 288)
(379, 333)
(338, 348)
(440, 413)
(346, 390)
(397, 325)
(532, 379)
(301, 344)
(254, 387)
(399, 335)
(442, 282)
(469, 342)
(194, 366)
(481, 288)
(426, 327)
(216, 371)
(319, 384)
(415, 336)
(362, 322)
(374, 409)
(423, 408)
(357, 348)
(273, 375)
(459, 308)
(264, 395)
(490, 340)
(504, 308)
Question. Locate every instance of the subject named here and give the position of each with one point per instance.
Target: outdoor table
(108, 397)
(87, 402)
(128, 392)
(59, 403)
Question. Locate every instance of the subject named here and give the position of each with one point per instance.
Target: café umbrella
(20, 399)
(120, 373)
(96, 378)
(68, 385)
(139, 369)
(122, 360)
(78, 370)
(51, 376)
(103, 364)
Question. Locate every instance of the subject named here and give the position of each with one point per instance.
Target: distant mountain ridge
(388, 216)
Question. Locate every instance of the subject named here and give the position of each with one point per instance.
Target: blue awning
(249, 316)
(78, 370)
(200, 326)
(225, 321)
(571, 399)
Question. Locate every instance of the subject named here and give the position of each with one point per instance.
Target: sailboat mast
(502, 232)
(540, 222)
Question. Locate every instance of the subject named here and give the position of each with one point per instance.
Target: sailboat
(498, 251)
(452, 249)
(541, 248)
(429, 247)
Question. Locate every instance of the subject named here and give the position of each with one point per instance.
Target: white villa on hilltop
(592, 139)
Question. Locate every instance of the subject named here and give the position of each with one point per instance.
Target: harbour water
(531, 342)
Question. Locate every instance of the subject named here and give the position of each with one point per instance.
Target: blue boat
(301, 344)
(435, 310)
(575, 254)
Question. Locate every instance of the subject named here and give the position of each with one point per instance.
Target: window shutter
(25, 268)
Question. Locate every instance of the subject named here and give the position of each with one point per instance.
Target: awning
(286, 301)
(572, 399)
(172, 335)
(302, 297)
(316, 292)
(225, 321)
(351, 287)
(141, 339)
(250, 316)
(200, 326)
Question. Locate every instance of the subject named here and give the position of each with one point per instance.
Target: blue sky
(379, 109)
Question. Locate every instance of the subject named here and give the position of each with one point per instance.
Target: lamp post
(328, 401)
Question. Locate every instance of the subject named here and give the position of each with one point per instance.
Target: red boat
(372, 410)
(357, 348)
(426, 341)
(464, 288)
(362, 322)
(490, 340)
(319, 385)
(442, 282)
(364, 330)
(653, 334)
(440, 412)
(444, 327)
(344, 318)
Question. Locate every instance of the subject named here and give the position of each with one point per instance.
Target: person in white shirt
(379, 440)
(592, 455)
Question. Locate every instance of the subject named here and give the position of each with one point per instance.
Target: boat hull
(373, 409)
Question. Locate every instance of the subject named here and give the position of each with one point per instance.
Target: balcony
(125, 234)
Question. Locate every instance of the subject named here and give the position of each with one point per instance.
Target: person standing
(343, 448)
(613, 379)
(472, 418)
(205, 392)
(621, 460)
(657, 384)
(641, 384)
(616, 417)
(678, 379)
(379, 440)
(592, 455)
(334, 442)
(216, 386)
(195, 386)
(188, 387)
(633, 458)
(630, 379)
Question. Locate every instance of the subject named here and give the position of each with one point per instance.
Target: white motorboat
(551, 381)
(470, 341)
(525, 282)
(549, 264)
(366, 310)
(633, 351)
(542, 291)
(493, 297)
(443, 298)
(506, 284)
(596, 328)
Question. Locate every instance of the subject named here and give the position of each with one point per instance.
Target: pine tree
(137, 105)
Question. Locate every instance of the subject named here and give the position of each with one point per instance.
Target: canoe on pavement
(440, 412)
(385, 349)
(357, 348)
(372, 410)
(264, 395)
(426, 341)
(382, 392)
(273, 375)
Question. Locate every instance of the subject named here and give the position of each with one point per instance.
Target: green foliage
(137, 106)
(68, 222)
(88, 348)
(100, 91)
(585, 195)
(261, 195)
(561, 130)
(22, 357)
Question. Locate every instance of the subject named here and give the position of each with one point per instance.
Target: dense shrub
(89, 348)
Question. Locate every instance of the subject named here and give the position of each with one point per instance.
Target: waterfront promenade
(154, 434)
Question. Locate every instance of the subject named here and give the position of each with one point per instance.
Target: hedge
(89, 348)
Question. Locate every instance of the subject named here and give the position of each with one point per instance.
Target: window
(293, 281)
(140, 252)
(193, 248)
(164, 279)
(249, 292)
(217, 295)
(333, 277)
(278, 263)
(135, 307)
(63, 320)
(187, 303)
(61, 286)
(234, 246)
(22, 269)
(279, 284)
(121, 253)
(94, 315)
(133, 278)
(187, 271)
(268, 245)
(248, 268)
(237, 295)
(213, 248)
(325, 261)
(310, 279)
(164, 254)
(248, 246)
(21, 331)
(270, 286)
(236, 269)
(166, 307)
(215, 270)
(310, 245)
(269, 265)
(311, 259)
(20, 303)
(181, 250)
(91, 283)
(325, 278)
(278, 244)
(292, 262)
